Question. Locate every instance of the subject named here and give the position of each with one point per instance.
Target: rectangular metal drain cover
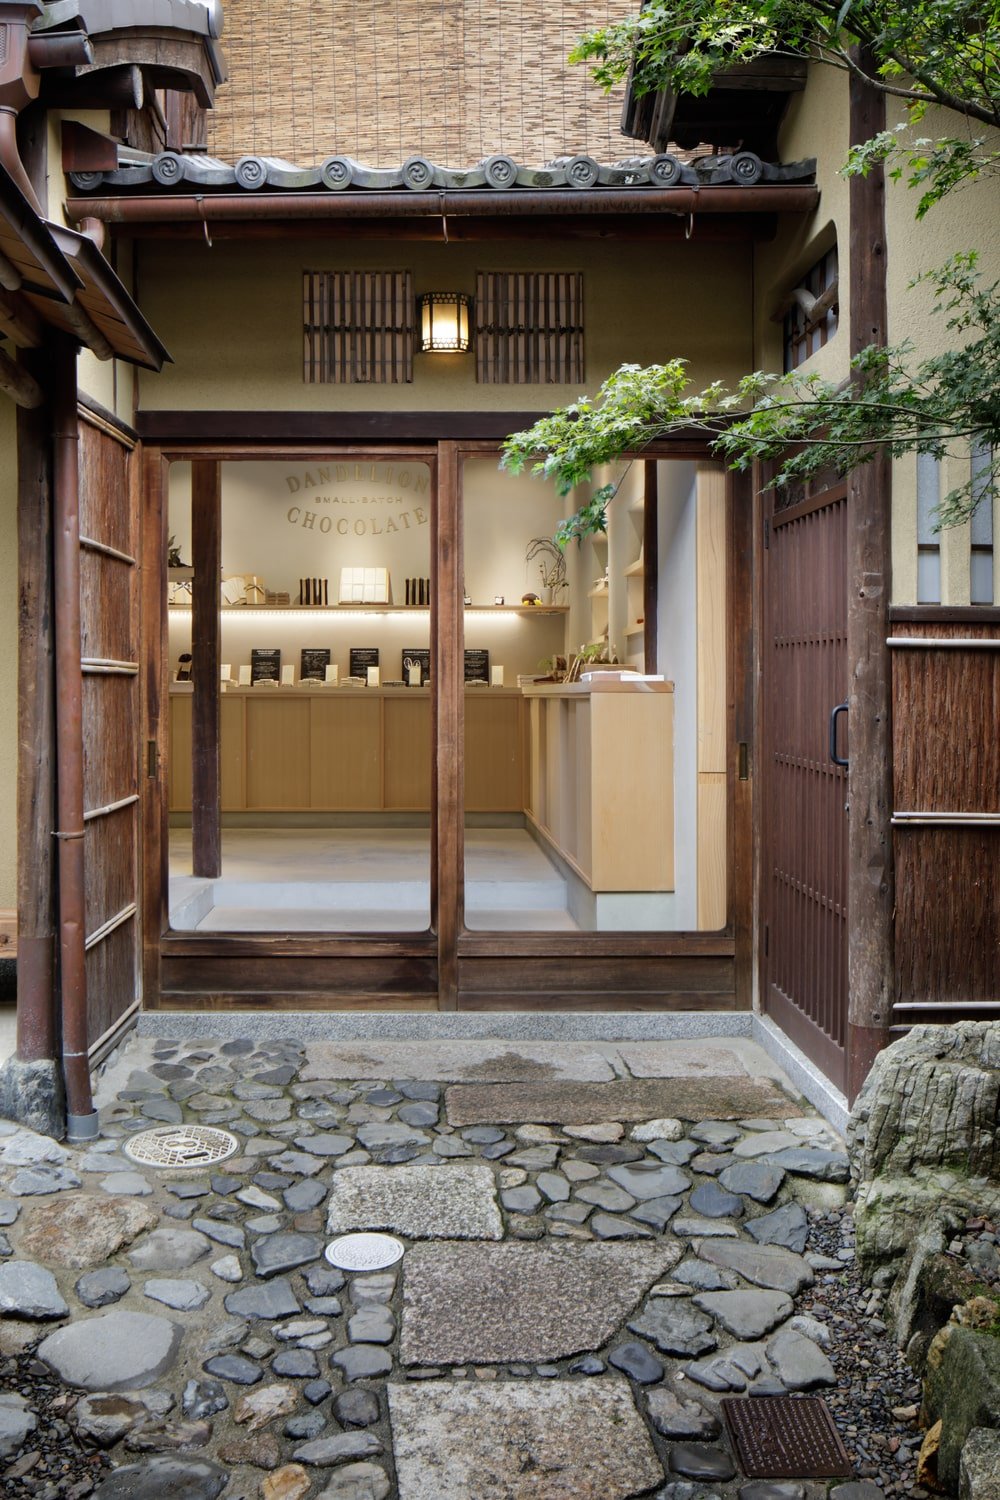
(785, 1437)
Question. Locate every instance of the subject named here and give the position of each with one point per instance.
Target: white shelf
(599, 593)
(639, 629)
(415, 611)
(636, 569)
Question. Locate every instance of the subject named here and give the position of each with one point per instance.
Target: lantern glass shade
(445, 322)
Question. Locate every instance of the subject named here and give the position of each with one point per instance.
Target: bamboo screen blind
(452, 79)
(529, 327)
(359, 327)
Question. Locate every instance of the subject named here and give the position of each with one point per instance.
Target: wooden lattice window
(529, 327)
(811, 319)
(359, 327)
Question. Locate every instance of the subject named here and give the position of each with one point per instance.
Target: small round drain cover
(364, 1252)
(180, 1146)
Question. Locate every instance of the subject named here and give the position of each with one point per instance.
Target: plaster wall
(966, 220)
(817, 124)
(8, 654)
(231, 317)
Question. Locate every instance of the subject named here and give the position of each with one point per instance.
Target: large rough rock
(979, 1471)
(32, 1093)
(924, 1138)
(84, 1230)
(962, 1390)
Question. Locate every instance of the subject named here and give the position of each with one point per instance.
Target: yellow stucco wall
(8, 654)
(231, 317)
(817, 123)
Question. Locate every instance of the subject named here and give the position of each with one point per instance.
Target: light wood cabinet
(601, 780)
(349, 750)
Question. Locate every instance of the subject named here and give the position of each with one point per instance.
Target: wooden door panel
(804, 830)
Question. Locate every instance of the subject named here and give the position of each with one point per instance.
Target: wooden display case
(319, 749)
(601, 779)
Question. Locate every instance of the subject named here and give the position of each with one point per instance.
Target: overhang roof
(62, 277)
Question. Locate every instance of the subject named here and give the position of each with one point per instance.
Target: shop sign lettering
(389, 487)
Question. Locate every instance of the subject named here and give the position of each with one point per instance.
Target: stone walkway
(602, 1241)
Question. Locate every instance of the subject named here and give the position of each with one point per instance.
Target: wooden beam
(155, 711)
(22, 388)
(740, 726)
(19, 321)
(870, 876)
(206, 547)
(36, 901)
(447, 686)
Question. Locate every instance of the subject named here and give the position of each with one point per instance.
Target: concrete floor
(361, 880)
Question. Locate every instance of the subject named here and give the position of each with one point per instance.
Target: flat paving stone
(164, 1478)
(656, 1212)
(752, 1179)
(484, 1061)
(169, 1250)
(746, 1315)
(676, 1418)
(626, 1100)
(787, 1226)
(715, 1203)
(455, 1440)
(675, 1327)
(455, 1201)
(822, 1166)
(488, 1304)
(765, 1265)
(180, 1294)
(103, 1287)
(357, 1408)
(275, 1299)
(118, 1351)
(235, 1368)
(360, 1481)
(29, 1291)
(362, 1361)
(799, 1364)
(605, 1195)
(17, 1423)
(635, 1361)
(32, 1182)
(278, 1253)
(614, 1227)
(682, 1059)
(645, 1180)
(696, 1461)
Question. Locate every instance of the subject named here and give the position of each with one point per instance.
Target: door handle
(841, 708)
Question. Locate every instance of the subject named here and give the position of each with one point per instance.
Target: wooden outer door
(804, 793)
(109, 610)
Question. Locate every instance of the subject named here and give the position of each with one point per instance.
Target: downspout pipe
(19, 85)
(81, 1117)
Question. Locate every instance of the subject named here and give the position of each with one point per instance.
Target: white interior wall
(677, 652)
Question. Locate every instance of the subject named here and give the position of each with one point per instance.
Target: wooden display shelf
(636, 569)
(599, 593)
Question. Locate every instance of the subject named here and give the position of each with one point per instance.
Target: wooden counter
(600, 779)
(339, 749)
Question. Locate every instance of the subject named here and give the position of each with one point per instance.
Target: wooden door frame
(430, 970)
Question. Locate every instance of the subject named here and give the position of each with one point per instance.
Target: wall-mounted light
(445, 322)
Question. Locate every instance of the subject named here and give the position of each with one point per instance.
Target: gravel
(873, 1378)
(56, 1464)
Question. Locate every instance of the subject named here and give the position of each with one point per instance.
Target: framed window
(529, 327)
(811, 318)
(359, 327)
(981, 529)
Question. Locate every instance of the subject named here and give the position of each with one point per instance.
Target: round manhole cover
(180, 1146)
(364, 1252)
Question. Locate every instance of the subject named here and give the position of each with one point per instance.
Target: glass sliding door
(325, 687)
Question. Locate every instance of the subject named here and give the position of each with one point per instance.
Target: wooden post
(651, 559)
(870, 881)
(448, 690)
(36, 903)
(206, 547)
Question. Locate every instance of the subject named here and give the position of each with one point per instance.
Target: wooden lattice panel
(359, 327)
(529, 327)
